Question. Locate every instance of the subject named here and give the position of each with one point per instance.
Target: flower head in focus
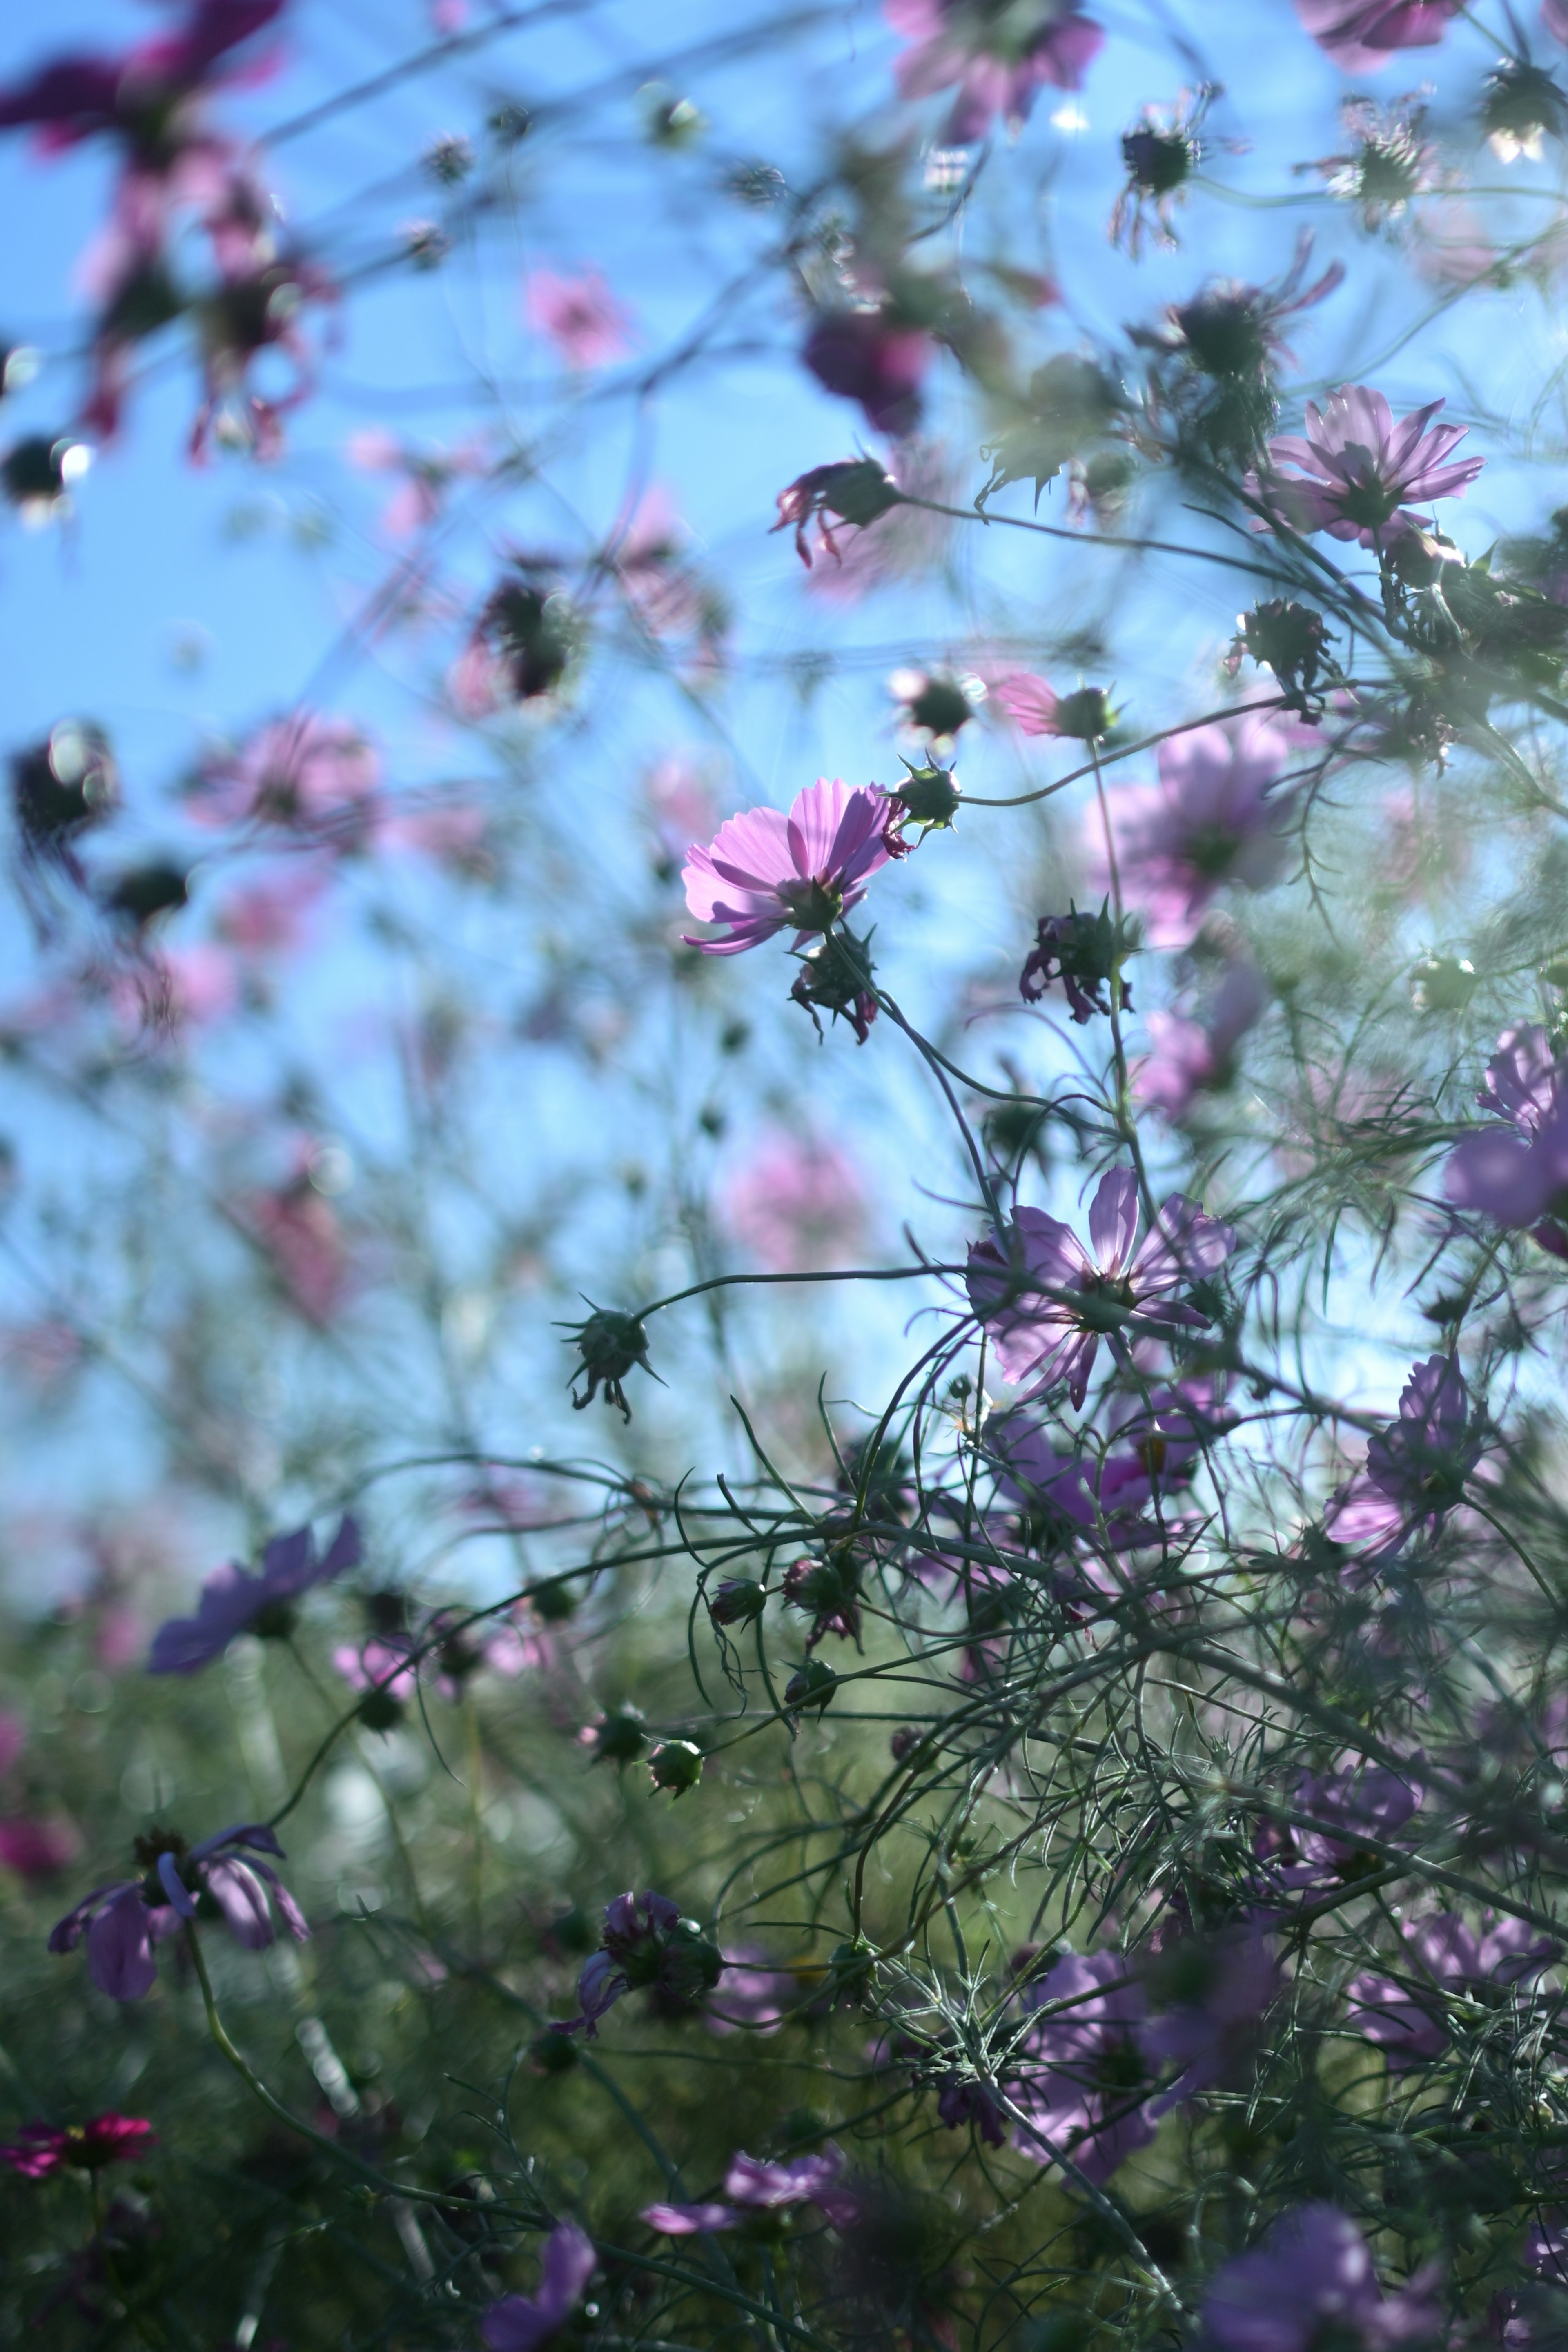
(1038, 1339)
(522, 2323)
(758, 2193)
(122, 1922)
(1313, 2273)
(581, 317)
(646, 1946)
(234, 1601)
(764, 872)
(1360, 34)
(41, 2150)
(1357, 471)
(999, 57)
(1415, 1469)
(1086, 953)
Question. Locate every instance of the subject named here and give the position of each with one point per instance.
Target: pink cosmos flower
(1188, 1057)
(122, 1922)
(871, 357)
(521, 2323)
(581, 317)
(36, 1849)
(763, 871)
(1000, 59)
(798, 1201)
(1215, 817)
(1084, 2066)
(390, 1662)
(305, 772)
(754, 2186)
(1357, 470)
(1313, 2273)
(424, 475)
(41, 2150)
(137, 98)
(1520, 1179)
(1361, 34)
(234, 1601)
(302, 1234)
(1409, 2021)
(1039, 1339)
(1350, 1806)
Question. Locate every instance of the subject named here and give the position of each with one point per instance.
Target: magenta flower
(136, 96)
(36, 1849)
(753, 2187)
(581, 317)
(1083, 2067)
(1086, 953)
(853, 490)
(521, 2323)
(869, 357)
(1359, 34)
(763, 871)
(1408, 2021)
(1039, 1338)
(1357, 470)
(122, 1922)
(453, 1643)
(307, 773)
(798, 1201)
(1215, 817)
(1520, 1179)
(1312, 2273)
(646, 1946)
(1368, 1801)
(1188, 1057)
(41, 2150)
(233, 1601)
(1415, 1469)
(1000, 59)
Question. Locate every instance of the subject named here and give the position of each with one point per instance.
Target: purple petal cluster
(1356, 470)
(1188, 1056)
(521, 2323)
(1408, 2020)
(1520, 1179)
(1415, 1468)
(133, 96)
(875, 359)
(122, 1922)
(1038, 1338)
(764, 872)
(1313, 2275)
(647, 1945)
(234, 1601)
(1000, 59)
(1361, 34)
(753, 2187)
(1213, 817)
(1082, 2067)
(1211, 2038)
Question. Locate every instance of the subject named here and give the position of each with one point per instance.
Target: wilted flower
(41, 2150)
(1215, 817)
(1359, 34)
(1000, 59)
(764, 872)
(1039, 1338)
(1086, 953)
(854, 489)
(233, 1601)
(753, 2187)
(1160, 153)
(581, 316)
(123, 1921)
(797, 1201)
(1408, 2021)
(1083, 2067)
(1312, 2273)
(1289, 639)
(1357, 470)
(610, 1345)
(521, 2323)
(646, 1946)
(874, 358)
(1415, 1469)
(1389, 164)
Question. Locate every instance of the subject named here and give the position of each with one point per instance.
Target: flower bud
(618, 1738)
(379, 1710)
(553, 2053)
(928, 797)
(1086, 714)
(676, 1765)
(738, 1601)
(811, 1685)
(611, 1345)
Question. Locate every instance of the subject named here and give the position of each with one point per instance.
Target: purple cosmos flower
(763, 871)
(453, 1643)
(1359, 34)
(962, 2100)
(134, 96)
(753, 2188)
(754, 1994)
(1365, 1800)
(1520, 1179)
(1357, 470)
(1312, 2273)
(999, 58)
(1213, 817)
(1408, 2021)
(1083, 2067)
(234, 1601)
(647, 1945)
(869, 357)
(1415, 1468)
(1211, 2038)
(123, 1921)
(42, 2150)
(1190, 1057)
(1039, 1338)
(521, 2322)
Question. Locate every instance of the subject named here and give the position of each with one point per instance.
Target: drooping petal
(120, 1947)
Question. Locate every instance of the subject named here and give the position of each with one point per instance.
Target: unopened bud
(676, 1765)
(737, 1601)
(811, 1685)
